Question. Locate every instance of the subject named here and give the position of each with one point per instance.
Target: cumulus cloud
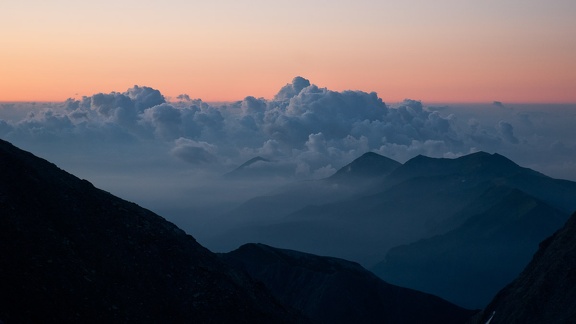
(194, 152)
(292, 89)
(184, 97)
(507, 132)
(307, 129)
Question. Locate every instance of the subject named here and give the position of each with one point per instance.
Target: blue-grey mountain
(364, 211)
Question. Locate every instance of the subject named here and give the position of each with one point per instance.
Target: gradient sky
(220, 50)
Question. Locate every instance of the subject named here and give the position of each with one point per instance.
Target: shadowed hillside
(331, 290)
(71, 253)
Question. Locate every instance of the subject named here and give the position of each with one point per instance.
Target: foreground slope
(331, 290)
(72, 253)
(545, 292)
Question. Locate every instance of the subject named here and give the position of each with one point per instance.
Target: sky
(225, 50)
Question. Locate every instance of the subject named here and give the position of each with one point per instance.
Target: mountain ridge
(333, 290)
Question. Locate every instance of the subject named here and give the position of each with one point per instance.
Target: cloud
(507, 132)
(194, 152)
(165, 119)
(292, 89)
(184, 97)
(306, 128)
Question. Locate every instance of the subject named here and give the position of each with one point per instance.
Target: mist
(173, 156)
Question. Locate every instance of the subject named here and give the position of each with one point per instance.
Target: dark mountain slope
(470, 264)
(72, 253)
(331, 290)
(545, 292)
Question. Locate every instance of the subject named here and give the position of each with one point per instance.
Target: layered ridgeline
(457, 228)
(545, 292)
(331, 290)
(71, 253)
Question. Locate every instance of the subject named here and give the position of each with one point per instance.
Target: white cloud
(307, 128)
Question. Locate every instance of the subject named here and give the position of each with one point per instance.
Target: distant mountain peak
(368, 165)
(252, 161)
(242, 170)
(477, 163)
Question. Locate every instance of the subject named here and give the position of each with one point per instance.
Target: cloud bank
(311, 130)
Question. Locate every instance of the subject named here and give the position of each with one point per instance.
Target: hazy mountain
(423, 198)
(331, 290)
(72, 253)
(545, 292)
(369, 166)
(247, 169)
(469, 264)
(352, 180)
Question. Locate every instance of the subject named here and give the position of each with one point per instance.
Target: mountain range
(70, 253)
(416, 222)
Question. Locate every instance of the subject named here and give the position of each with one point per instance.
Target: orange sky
(435, 51)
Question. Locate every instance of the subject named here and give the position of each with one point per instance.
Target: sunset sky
(221, 50)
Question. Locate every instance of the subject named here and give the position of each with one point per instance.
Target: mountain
(350, 181)
(247, 169)
(70, 252)
(331, 290)
(481, 256)
(369, 166)
(418, 200)
(545, 292)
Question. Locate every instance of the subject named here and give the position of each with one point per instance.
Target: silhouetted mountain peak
(368, 165)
